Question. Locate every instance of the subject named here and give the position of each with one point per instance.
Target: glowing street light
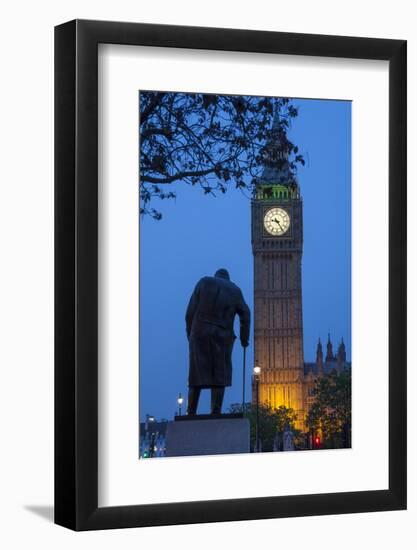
(180, 401)
(257, 376)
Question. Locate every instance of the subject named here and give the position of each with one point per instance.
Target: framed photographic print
(230, 275)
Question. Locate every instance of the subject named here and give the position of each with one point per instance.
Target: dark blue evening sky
(200, 233)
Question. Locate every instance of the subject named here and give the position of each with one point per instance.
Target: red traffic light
(317, 441)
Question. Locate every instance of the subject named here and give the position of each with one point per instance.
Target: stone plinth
(205, 435)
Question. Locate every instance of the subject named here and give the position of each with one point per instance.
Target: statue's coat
(209, 322)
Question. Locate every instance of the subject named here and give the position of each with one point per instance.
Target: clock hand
(277, 221)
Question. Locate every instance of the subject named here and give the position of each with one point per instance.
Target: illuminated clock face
(276, 221)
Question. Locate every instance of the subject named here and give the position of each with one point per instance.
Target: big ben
(277, 244)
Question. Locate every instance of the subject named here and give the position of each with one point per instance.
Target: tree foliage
(272, 423)
(331, 412)
(207, 140)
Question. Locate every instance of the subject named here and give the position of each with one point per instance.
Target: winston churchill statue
(209, 323)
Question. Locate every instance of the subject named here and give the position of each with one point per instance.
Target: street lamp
(149, 418)
(180, 401)
(256, 377)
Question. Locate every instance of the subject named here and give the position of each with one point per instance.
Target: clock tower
(277, 244)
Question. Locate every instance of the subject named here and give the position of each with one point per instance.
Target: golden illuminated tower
(277, 244)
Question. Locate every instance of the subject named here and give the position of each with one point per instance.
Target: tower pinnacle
(341, 352)
(319, 358)
(329, 354)
(277, 169)
(319, 352)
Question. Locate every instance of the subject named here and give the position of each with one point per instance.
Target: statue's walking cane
(244, 379)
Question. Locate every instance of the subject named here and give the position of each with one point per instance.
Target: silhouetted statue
(209, 321)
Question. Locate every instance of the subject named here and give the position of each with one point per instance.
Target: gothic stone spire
(276, 166)
(329, 354)
(341, 352)
(319, 358)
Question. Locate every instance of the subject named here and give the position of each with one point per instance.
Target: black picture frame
(76, 272)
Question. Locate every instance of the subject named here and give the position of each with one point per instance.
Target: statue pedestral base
(205, 434)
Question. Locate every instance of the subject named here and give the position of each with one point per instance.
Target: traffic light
(317, 442)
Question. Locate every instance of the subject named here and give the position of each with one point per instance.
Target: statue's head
(223, 274)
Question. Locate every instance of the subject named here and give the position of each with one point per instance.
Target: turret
(319, 358)
(329, 354)
(341, 353)
(277, 169)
